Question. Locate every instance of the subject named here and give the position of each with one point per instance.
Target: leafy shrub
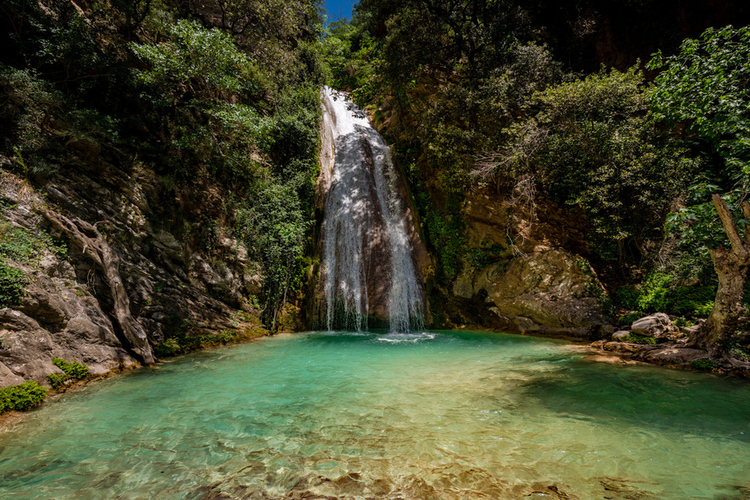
(21, 397)
(703, 364)
(274, 227)
(660, 293)
(682, 322)
(183, 342)
(73, 369)
(735, 349)
(57, 380)
(12, 281)
(22, 245)
(169, 347)
(196, 61)
(592, 133)
(634, 338)
(630, 318)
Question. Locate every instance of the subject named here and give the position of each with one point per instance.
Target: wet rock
(655, 325)
(621, 347)
(670, 354)
(620, 335)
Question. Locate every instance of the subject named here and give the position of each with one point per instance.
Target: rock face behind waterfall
(372, 257)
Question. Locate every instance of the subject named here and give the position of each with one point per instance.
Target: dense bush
(661, 292)
(21, 397)
(57, 380)
(223, 104)
(12, 281)
(72, 369)
(594, 147)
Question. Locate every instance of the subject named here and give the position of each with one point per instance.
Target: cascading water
(368, 264)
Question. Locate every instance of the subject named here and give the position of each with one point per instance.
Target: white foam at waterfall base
(348, 223)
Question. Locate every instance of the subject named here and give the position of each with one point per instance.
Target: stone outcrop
(545, 292)
(67, 308)
(537, 282)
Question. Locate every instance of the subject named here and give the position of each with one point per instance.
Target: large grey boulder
(655, 325)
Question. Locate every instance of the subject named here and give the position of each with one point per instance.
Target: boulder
(549, 292)
(618, 336)
(7, 377)
(655, 325)
(670, 354)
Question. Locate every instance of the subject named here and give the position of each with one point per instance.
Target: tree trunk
(731, 266)
(721, 324)
(94, 246)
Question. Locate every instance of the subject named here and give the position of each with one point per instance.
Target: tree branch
(738, 246)
(746, 212)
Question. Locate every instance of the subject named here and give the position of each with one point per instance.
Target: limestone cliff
(67, 308)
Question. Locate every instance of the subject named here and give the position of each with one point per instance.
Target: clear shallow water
(439, 415)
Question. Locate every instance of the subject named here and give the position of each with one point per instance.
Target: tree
(706, 88)
(593, 146)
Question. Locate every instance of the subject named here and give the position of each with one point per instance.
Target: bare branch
(738, 246)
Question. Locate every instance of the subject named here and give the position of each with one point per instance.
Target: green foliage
(57, 380)
(703, 364)
(705, 87)
(351, 58)
(446, 236)
(274, 228)
(661, 292)
(12, 281)
(23, 247)
(170, 347)
(736, 350)
(73, 369)
(21, 397)
(593, 147)
(683, 323)
(195, 63)
(485, 254)
(629, 318)
(634, 338)
(182, 341)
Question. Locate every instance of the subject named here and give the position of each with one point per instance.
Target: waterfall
(368, 267)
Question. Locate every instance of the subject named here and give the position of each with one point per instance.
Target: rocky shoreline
(656, 340)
